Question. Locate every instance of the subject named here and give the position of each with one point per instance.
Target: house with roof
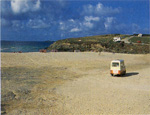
(117, 39)
(139, 35)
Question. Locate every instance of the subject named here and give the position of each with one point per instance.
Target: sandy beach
(73, 83)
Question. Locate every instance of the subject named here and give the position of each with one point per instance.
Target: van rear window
(115, 64)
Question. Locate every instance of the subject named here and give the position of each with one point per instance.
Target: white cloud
(90, 21)
(109, 19)
(109, 22)
(70, 25)
(62, 25)
(88, 24)
(37, 5)
(75, 30)
(96, 19)
(99, 10)
(99, 7)
(5, 22)
(71, 20)
(37, 23)
(22, 6)
(16, 23)
(91, 18)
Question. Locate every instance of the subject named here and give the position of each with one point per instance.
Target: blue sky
(40, 20)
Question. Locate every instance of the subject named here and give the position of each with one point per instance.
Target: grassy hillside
(98, 38)
(144, 39)
(98, 43)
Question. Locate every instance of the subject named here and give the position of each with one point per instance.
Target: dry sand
(74, 84)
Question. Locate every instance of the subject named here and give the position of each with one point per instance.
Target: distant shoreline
(25, 41)
(24, 46)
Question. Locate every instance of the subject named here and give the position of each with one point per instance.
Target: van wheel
(112, 75)
(124, 72)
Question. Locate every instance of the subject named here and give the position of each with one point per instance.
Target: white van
(117, 67)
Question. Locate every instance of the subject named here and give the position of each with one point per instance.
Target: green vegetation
(98, 43)
(98, 38)
(144, 39)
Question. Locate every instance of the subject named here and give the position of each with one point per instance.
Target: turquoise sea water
(24, 46)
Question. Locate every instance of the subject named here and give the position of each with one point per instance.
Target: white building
(117, 39)
(139, 35)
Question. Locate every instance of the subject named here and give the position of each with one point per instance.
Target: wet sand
(74, 83)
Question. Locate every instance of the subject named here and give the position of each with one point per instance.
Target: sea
(24, 46)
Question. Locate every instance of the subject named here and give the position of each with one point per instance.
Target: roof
(117, 37)
(117, 60)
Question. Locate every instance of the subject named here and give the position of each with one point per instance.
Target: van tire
(112, 75)
(124, 72)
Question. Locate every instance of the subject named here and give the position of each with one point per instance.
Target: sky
(42, 20)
